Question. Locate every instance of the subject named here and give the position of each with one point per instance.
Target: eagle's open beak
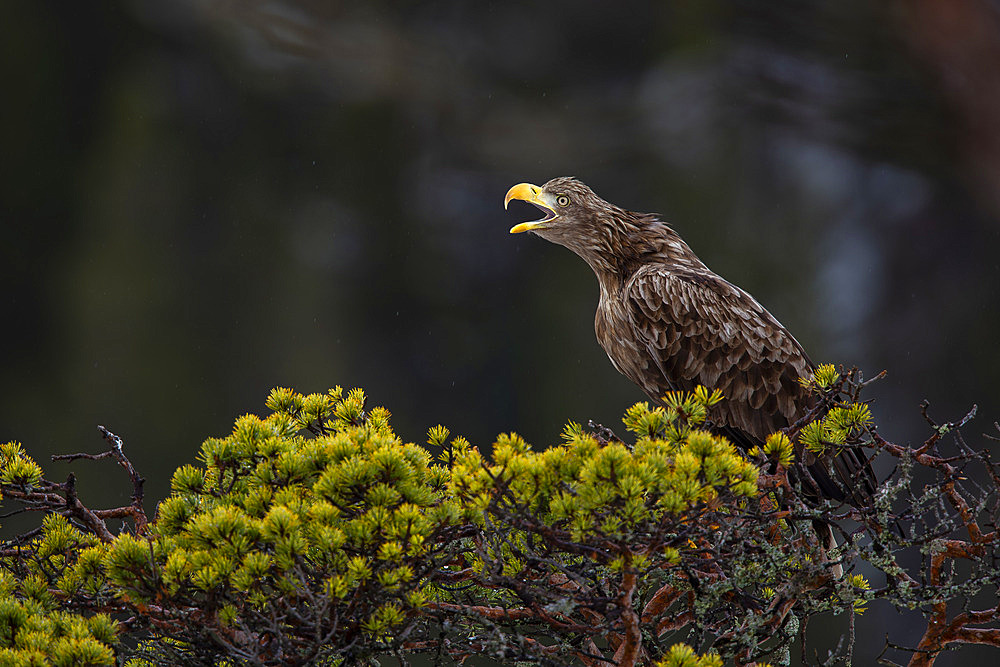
(533, 195)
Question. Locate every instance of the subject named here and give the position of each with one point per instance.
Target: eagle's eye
(562, 200)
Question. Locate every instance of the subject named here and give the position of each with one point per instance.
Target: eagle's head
(603, 234)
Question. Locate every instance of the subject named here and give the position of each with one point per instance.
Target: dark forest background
(201, 200)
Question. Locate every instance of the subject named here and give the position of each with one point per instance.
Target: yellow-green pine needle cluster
(823, 378)
(838, 426)
(682, 655)
(16, 467)
(320, 494)
(610, 490)
(778, 448)
(34, 631)
(858, 582)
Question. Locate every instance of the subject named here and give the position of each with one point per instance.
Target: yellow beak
(531, 194)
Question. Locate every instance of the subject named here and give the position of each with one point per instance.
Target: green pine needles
(315, 535)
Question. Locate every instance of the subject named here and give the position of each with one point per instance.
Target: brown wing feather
(696, 328)
(689, 328)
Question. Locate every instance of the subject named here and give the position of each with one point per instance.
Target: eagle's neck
(636, 241)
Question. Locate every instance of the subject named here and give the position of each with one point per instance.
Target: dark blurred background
(202, 200)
